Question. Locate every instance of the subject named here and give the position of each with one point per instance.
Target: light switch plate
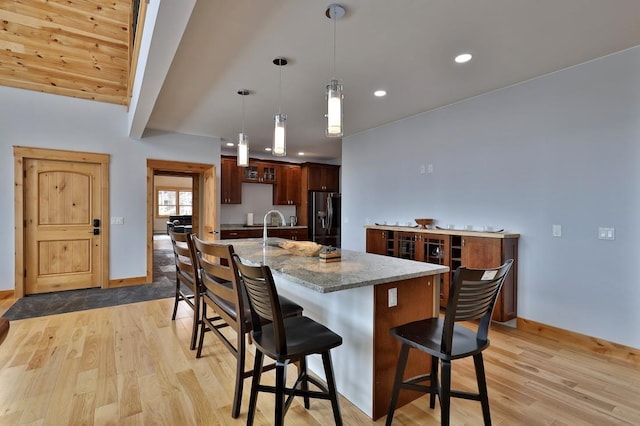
(606, 233)
(117, 220)
(556, 230)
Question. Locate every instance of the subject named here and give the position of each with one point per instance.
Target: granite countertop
(356, 269)
(240, 226)
(442, 231)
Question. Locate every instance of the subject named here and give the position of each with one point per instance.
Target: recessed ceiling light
(301, 153)
(380, 93)
(230, 143)
(267, 149)
(463, 58)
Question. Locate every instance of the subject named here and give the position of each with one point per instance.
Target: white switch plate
(117, 220)
(430, 168)
(606, 233)
(556, 230)
(393, 297)
(423, 169)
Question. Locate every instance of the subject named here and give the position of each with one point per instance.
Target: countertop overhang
(356, 269)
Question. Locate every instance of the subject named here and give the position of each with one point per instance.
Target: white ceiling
(403, 46)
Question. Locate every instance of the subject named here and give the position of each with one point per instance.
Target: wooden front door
(62, 204)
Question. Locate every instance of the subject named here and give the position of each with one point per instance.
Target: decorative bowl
(424, 223)
(301, 248)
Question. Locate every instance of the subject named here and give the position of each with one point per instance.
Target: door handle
(96, 223)
(96, 231)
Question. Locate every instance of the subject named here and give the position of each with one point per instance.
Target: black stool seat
(304, 337)
(425, 335)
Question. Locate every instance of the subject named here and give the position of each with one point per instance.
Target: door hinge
(24, 174)
(25, 273)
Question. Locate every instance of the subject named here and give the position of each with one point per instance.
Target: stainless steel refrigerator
(324, 218)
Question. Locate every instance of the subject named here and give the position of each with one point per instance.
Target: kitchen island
(360, 298)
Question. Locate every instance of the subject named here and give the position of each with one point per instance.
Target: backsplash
(257, 198)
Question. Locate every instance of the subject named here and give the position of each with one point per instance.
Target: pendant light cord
(333, 15)
(243, 114)
(280, 90)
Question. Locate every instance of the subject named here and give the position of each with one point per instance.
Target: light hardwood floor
(131, 365)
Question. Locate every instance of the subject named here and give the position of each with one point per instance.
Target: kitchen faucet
(264, 231)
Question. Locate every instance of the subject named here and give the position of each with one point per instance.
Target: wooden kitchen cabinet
(430, 248)
(228, 234)
(287, 189)
(322, 177)
(436, 248)
(260, 172)
(380, 242)
(296, 234)
(316, 177)
(453, 249)
(479, 252)
(230, 181)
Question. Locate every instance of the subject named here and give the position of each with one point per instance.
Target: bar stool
(472, 297)
(285, 340)
(185, 279)
(224, 304)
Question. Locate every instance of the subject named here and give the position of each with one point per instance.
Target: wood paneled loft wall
(78, 48)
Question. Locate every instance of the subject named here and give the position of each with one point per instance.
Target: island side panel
(348, 313)
(417, 299)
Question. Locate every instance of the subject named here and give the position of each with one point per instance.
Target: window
(174, 201)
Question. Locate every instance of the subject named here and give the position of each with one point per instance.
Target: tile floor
(76, 300)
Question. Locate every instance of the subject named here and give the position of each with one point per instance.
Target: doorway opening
(203, 196)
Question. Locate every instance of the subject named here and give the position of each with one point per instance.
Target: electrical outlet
(393, 297)
(430, 168)
(556, 230)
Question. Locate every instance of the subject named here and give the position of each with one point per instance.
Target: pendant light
(243, 139)
(280, 131)
(334, 94)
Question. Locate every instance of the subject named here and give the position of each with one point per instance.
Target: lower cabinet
(230, 234)
(453, 250)
(297, 234)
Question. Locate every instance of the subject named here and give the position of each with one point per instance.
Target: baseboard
(588, 343)
(6, 294)
(125, 282)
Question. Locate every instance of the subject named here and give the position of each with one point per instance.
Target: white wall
(40, 120)
(560, 149)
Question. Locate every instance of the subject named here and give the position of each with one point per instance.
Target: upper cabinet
(322, 177)
(287, 190)
(260, 172)
(291, 182)
(230, 181)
